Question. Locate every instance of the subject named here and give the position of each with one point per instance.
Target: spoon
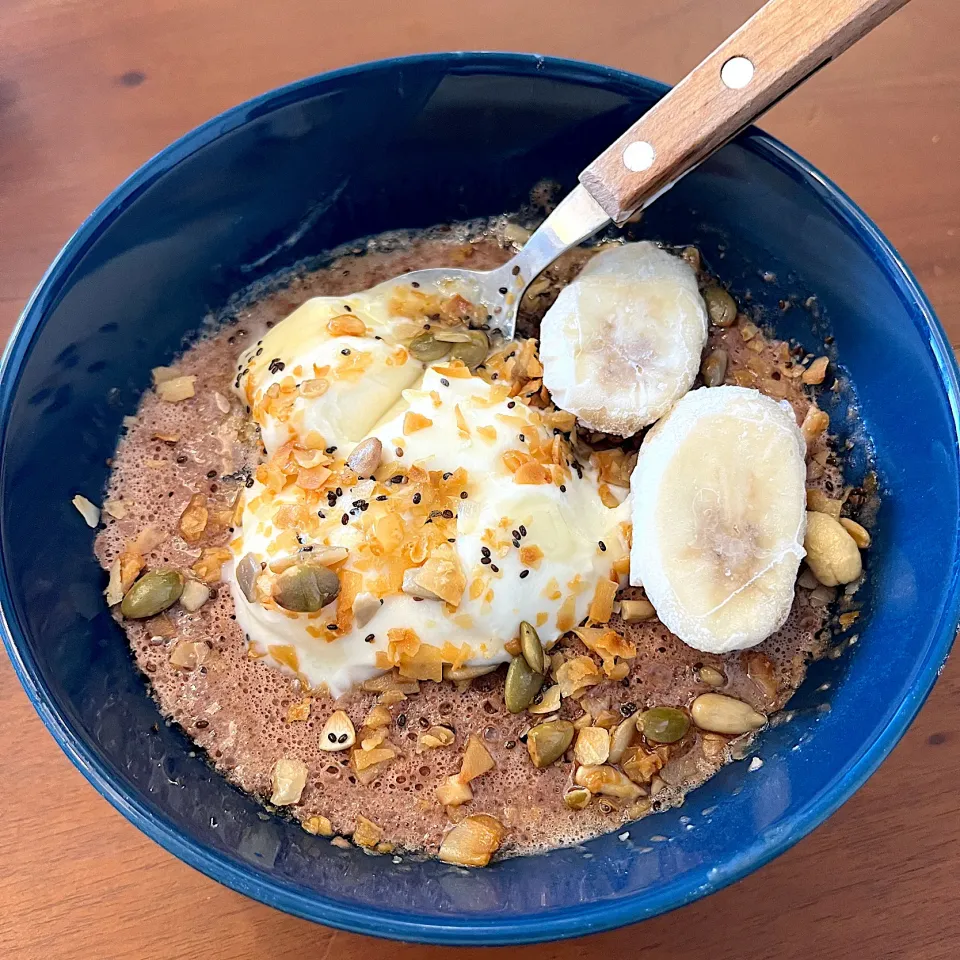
(781, 45)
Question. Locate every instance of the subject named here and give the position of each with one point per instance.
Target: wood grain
(783, 43)
(89, 89)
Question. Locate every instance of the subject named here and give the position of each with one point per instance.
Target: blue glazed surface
(406, 143)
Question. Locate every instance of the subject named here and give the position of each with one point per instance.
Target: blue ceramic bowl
(406, 143)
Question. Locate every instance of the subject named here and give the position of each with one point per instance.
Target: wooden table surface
(89, 89)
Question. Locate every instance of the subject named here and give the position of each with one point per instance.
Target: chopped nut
(436, 736)
(176, 389)
(338, 733)
(162, 374)
(814, 424)
(607, 781)
(318, 826)
(476, 760)
(289, 778)
(194, 596)
(114, 592)
(89, 511)
(592, 746)
(378, 717)
(549, 702)
(816, 372)
(832, 553)
(636, 611)
(472, 842)
(367, 833)
(115, 508)
(453, 792)
(190, 654)
(860, 535)
(640, 764)
(577, 798)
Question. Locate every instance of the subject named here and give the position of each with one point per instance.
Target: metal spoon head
(577, 217)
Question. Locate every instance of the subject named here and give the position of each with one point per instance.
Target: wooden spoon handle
(776, 49)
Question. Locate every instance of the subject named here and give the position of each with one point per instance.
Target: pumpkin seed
(366, 457)
(720, 306)
(530, 647)
(338, 733)
(246, 573)
(547, 742)
(720, 714)
(577, 798)
(663, 724)
(714, 368)
(521, 686)
(474, 352)
(152, 594)
(306, 588)
(427, 348)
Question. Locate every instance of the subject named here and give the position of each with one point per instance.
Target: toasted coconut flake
(193, 520)
(89, 511)
(299, 712)
(532, 473)
(208, 566)
(346, 325)
(439, 578)
(575, 676)
(601, 607)
(414, 422)
(531, 555)
(378, 717)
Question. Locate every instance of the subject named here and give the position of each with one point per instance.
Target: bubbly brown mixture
(177, 475)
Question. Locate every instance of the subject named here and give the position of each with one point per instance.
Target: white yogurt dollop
(468, 485)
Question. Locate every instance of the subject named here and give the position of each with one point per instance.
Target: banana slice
(719, 515)
(623, 341)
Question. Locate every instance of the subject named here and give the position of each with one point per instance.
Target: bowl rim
(586, 918)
